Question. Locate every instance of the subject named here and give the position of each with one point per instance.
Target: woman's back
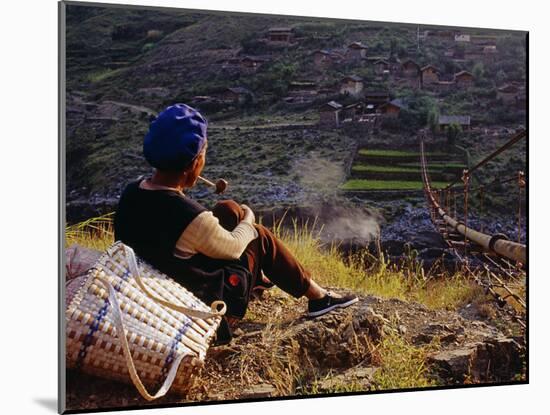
(151, 221)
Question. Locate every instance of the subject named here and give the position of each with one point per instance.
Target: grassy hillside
(126, 65)
(401, 363)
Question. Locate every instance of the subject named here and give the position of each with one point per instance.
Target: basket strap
(134, 269)
(121, 334)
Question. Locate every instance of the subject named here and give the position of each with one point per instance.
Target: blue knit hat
(175, 138)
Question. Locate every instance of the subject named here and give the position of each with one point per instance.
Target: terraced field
(396, 170)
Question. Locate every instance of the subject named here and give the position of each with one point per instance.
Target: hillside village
(288, 99)
(373, 106)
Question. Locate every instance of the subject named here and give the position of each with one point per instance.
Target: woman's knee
(229, 213)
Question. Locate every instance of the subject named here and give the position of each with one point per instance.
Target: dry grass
(374, 274)
(96, 233)
(402, 365)
(364, 272)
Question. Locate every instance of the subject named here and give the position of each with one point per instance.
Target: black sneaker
(328, 303)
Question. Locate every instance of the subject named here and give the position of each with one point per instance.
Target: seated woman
(218, 254)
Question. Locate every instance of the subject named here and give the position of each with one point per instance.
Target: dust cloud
(319, 178)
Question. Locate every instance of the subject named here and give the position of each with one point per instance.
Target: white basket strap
(134, 270)
(121, 334)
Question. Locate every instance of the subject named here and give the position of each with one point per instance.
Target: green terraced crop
(360, 184)
(386, 153)
(394, 153)
(384, 169)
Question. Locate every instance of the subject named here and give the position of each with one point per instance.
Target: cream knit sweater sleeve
(205, 235)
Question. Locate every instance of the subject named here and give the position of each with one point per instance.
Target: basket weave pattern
(158, 336)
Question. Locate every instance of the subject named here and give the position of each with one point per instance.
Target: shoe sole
(326, 310)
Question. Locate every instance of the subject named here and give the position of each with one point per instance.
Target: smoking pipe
(220, 185)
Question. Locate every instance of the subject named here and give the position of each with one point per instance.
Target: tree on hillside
(478, 71)
(500, 77)
(453, 130)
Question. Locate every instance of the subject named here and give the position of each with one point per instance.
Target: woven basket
(127, 321)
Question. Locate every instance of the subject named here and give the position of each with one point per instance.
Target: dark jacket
(151, 222)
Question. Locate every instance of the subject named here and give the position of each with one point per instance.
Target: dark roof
(428, 67)
(303, 83)
(354, 78)
(399, 103)
(407, 61)
(458, 119)
(357, 45)
(355, 104)
(239, 90)
(332, 104)
(463, 73)
(382, 61)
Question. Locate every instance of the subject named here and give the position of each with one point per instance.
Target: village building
(395, 64)
(456, 52)
(236, 95)
(302, 88)
(489, 49)
(329, 114)
(352, 85)
(442, 34)
(443, 86)
(410, 69)
(381, 66)
(356, 51)
(483, 39)
(246, 64)
(300, 92)
(464, 79)
(392, 109)
(325, 58)
(280, 35)
(508, 93)
(232, 64)
(327, 91)
(352, 112)
(449, 53)
(429, 75)
(199, 100)
(250, 64)
(474, 53)
(462, 38)
(446, 120)
(376, 98)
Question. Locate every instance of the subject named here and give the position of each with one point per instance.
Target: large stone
(490, 360)
(339, 339)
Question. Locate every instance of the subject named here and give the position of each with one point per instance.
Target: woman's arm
(205, 235)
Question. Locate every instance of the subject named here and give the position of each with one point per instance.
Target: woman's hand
(248, 214)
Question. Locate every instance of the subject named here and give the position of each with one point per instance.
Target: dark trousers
(266, 253)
